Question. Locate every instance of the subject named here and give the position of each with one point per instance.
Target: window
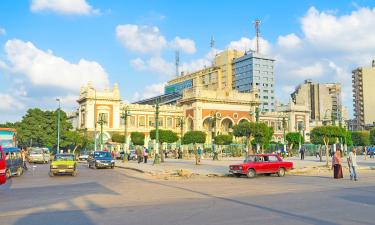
(169, 122)
(151, 121)
(132, 121)
(104, 118)
(273, 158)
(141, 121)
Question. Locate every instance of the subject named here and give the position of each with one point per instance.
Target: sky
(50, 48)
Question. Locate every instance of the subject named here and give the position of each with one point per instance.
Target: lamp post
(58, 128)
(125, 115)
(157, 157)
(101, 122)
(95, 144)
(180, 124)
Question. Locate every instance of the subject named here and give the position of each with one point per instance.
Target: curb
(130, 168)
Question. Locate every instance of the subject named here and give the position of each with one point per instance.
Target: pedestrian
(372, 153)
(166, 153)
(199, 154)
(179, 153)
(24, 155)
(302, 152)
(145, 154)
(352, 163)
(139, 154)
(337, 165)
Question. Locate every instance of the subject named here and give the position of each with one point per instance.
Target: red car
(3, 178)
(261, 164)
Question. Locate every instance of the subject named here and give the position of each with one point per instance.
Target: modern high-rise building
(363, 81)
(258, 70)
(219, 76)
(323, 100)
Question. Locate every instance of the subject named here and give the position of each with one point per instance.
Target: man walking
(302, 151)
(139, 154)
(145, 154)
(352, 162)
(24, 155)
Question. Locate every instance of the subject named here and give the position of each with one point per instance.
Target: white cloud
(67, 7)
(289, 41)
(246, 44)
(10, 103)
(141, 39)
(200, 63)
(311, 71)
(184, 45)
(44, 69)
(2, 31)
(149, 91)
(154, 64)
(350, 32)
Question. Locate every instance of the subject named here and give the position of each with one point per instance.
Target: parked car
(101, 159)
(39, 155)
(14, 163)
(3, 177)
(261, 164)
(63, 164)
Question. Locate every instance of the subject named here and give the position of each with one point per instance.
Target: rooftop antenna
(257, 31)
(177, 61)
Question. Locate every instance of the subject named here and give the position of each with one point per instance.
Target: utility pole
(180, 124)
(177, 62)
(58, 128)
(157, 156)
(125, 115)
(257, 31)
(95, 144)
(101, 123)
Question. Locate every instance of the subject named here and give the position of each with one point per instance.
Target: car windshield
(102, 154)
(36, 151)
(64, 157)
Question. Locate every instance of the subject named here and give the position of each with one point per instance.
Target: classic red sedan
(261, 164)
(2, 167)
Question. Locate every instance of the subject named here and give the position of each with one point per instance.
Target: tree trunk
(161, 152)
(195, 154)
(327, 151)
(320, 154)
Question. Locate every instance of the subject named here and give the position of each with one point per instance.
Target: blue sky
(49, 48)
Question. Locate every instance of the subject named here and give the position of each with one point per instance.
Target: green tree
(118, 138)
(245, 129)
(165, 136)
(326, 135)
(263, 135)
(348, 139)
(372, 136)
(194, 137)
(138, 138)
(361, 138)
(223, 139)
(294, 139)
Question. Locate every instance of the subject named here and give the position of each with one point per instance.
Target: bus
(7, 140)
(8, 137)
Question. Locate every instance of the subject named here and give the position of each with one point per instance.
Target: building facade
(363, 82)
(212, 111)
(253, 68)
(323, 101)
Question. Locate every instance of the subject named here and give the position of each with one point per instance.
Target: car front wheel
(251, 173)
(281, 172)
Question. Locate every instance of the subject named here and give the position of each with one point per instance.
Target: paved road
(126, 197)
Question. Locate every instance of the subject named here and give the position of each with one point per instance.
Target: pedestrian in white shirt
(352, 162)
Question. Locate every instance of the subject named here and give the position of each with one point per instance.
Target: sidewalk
(208, 167)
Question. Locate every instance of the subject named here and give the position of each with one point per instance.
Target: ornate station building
(209, 110)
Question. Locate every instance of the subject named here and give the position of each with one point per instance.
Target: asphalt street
(118, 196)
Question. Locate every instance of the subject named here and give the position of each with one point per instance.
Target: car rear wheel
(19, 171)
(281, 172)
(251, 173)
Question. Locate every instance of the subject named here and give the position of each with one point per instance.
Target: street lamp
(58, 127)
(180, 124)
(125, 115)
(101, 122)
(157, 157)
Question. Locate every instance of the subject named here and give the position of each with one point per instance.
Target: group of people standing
(142, 155)
(352, 164)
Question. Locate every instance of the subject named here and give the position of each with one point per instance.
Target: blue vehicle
(371, 150)
(101, 159)
(14, 163)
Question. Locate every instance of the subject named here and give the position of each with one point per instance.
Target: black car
(14, 163)
(101, 159)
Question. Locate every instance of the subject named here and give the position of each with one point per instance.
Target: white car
(83, 157)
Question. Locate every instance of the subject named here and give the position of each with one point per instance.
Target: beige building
(323, 101)
(363, 81)
(213, 111)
